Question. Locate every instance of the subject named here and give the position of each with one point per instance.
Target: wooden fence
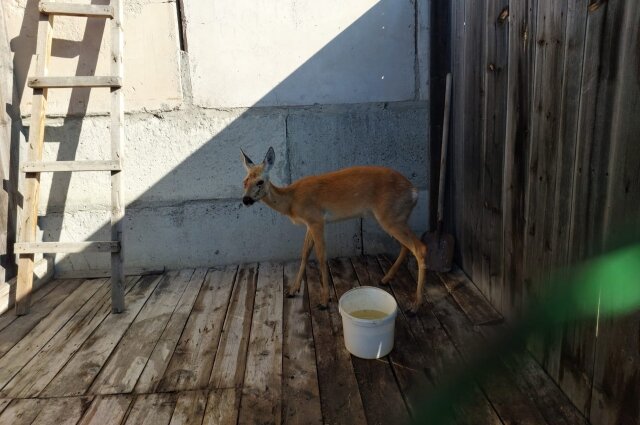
(544, 167)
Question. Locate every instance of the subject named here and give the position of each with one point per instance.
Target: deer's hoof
(322, 306)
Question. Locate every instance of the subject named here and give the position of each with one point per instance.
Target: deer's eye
(260, 182)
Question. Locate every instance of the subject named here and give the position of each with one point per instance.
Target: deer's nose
(247, 200)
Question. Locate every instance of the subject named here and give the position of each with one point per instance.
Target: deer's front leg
(306, 250)
(317, 232)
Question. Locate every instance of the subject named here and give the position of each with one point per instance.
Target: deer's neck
(278, 198)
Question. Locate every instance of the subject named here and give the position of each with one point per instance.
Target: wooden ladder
(34, 165)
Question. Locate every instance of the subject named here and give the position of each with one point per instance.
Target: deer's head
(257, 179)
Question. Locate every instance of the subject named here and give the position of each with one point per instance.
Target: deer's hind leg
(393, 270)
(306, 250)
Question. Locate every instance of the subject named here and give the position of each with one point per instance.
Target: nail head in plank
(70, 166)
(74, 81)
(72, 9)
(67, 247)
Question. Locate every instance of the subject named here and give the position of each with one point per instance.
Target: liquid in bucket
(369, 314)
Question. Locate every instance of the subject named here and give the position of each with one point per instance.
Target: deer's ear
(269, 159)
(248, 163)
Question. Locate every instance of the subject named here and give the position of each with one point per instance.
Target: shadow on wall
(183, 169)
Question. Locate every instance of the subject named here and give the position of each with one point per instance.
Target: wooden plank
(340, 397)
(381, 395)
(74, 81)
(98, 273)
(509, 402)
(190, 365)
(522, 23)
(69, 166)
(300, 391)
(440, 353)
(190, 408)
(117, 154)
(41, 288)
(152, 409)
(62, 411)
(261, 400)
(231, 358)
(121, 372)
(31, 344)
(71, 9)
(222, 407)
(20, 327)
(494, 126)
(109, 409)
(29, 219)
(78, 374)
(473, 140)
(21, 411)
(469, 298)
(408, 359)
(66, 247)
(4, 402)
(39, 371)
(166, 345)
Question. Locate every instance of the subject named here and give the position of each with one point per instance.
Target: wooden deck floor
(223, 346)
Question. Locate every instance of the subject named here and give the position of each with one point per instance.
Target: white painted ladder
(34, 165)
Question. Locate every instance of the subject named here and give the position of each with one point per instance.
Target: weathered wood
(62, 411)
(190, 408)
(57, 166)
(20, 327)
(222, 407)
(473, 138)
(47, 363)
(341, 401)
(469, 298)
(495, 67)
(340, 397)
(21, 411)
(40, 335)
(159, 359)
(231, 357)
(441, 355)
(71, 9)
(66, 247)
(80, 371)
(520, 69)
(4, 402)
(192, 360)
(121, 372)
(74, 81)
(98, 273)
(117, 154)
(109, 409)
(300, 391)
(262, 389)
(42, 285)
(28, 223)
(381, 396)
(152, 409)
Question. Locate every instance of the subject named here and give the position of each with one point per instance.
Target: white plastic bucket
(366, 338)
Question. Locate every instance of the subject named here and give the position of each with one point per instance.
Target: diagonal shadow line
(328, 59)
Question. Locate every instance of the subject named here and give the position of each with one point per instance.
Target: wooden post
(32, 180)
(117, 138)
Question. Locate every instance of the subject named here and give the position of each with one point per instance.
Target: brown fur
(351, 192)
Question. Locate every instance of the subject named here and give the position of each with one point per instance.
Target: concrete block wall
(326, 84)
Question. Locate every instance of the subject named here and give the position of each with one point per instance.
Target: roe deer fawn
(347, 193)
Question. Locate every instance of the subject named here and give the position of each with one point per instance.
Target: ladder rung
(75, 81)
(70, 9)
(52, 247)
(49, 167)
